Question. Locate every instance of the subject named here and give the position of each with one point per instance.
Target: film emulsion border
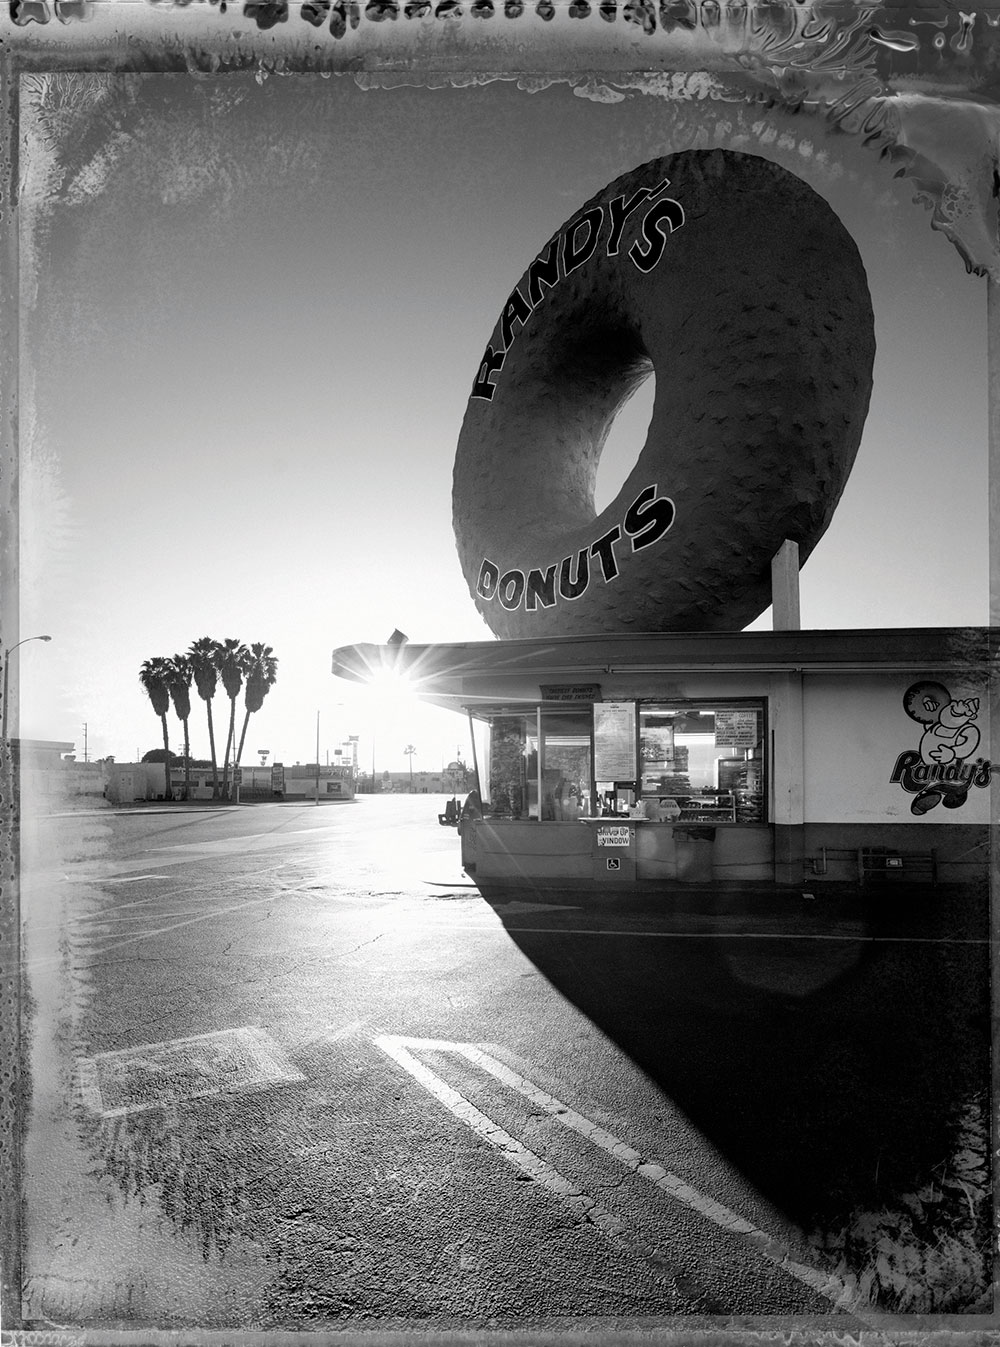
(839, 62)
(14, 1086)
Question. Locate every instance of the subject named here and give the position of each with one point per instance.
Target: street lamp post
(6, 675)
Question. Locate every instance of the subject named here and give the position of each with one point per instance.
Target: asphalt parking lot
(291, 1070)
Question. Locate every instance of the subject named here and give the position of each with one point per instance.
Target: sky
(252, 311)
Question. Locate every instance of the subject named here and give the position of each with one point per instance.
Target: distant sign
(614, 741)
(278, 776)
(736, 729)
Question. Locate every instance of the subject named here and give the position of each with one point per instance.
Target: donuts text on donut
(646, 520)
(566, 252)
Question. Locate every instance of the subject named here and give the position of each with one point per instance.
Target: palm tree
(154, 676)
(261, 669)
(179, 678)
(231, 656)
(409, 750)
(201, 657)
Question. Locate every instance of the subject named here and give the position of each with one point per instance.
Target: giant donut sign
(736, 284)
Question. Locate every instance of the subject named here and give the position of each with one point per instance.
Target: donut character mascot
(950, 737)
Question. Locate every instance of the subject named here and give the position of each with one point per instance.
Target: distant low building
(131, 782)
(126, 782)
(336, 781)
(449, 781)
(49, 776)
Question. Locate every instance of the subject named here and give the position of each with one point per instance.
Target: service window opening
(702, 763)
(667, 761)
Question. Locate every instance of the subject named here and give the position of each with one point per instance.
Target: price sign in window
(737, 729)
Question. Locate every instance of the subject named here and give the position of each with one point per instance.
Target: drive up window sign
(614, 850)
(615, 835)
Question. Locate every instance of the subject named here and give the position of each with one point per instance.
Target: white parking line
(239, 843)
(828, 1286)
(177, 925)
(131, 879)
(513, 1151)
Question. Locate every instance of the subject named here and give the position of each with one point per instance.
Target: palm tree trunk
(243, 735)
(227, 789)
(187, 761)
(167, 793)
(211, 744)
(225, 771)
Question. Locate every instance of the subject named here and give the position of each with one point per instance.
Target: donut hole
(625, 440)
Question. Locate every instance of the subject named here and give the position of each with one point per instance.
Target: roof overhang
(514, 671)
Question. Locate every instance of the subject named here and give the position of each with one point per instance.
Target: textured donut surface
(736, 284)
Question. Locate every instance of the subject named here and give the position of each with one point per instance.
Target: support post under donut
(785, 587)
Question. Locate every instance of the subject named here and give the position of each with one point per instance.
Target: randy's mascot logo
(942, 769)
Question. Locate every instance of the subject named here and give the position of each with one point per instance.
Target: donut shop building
(782, 757)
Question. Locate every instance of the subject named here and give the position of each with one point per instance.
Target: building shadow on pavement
(832, 1049)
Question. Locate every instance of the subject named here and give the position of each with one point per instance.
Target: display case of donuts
(714, 808)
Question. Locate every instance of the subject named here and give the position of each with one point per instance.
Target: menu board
(736, 729)
(614, 741)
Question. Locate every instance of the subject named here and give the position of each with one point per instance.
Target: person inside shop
(567, 803)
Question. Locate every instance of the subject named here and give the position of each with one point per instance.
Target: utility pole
(85, 758)
(317, 757)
